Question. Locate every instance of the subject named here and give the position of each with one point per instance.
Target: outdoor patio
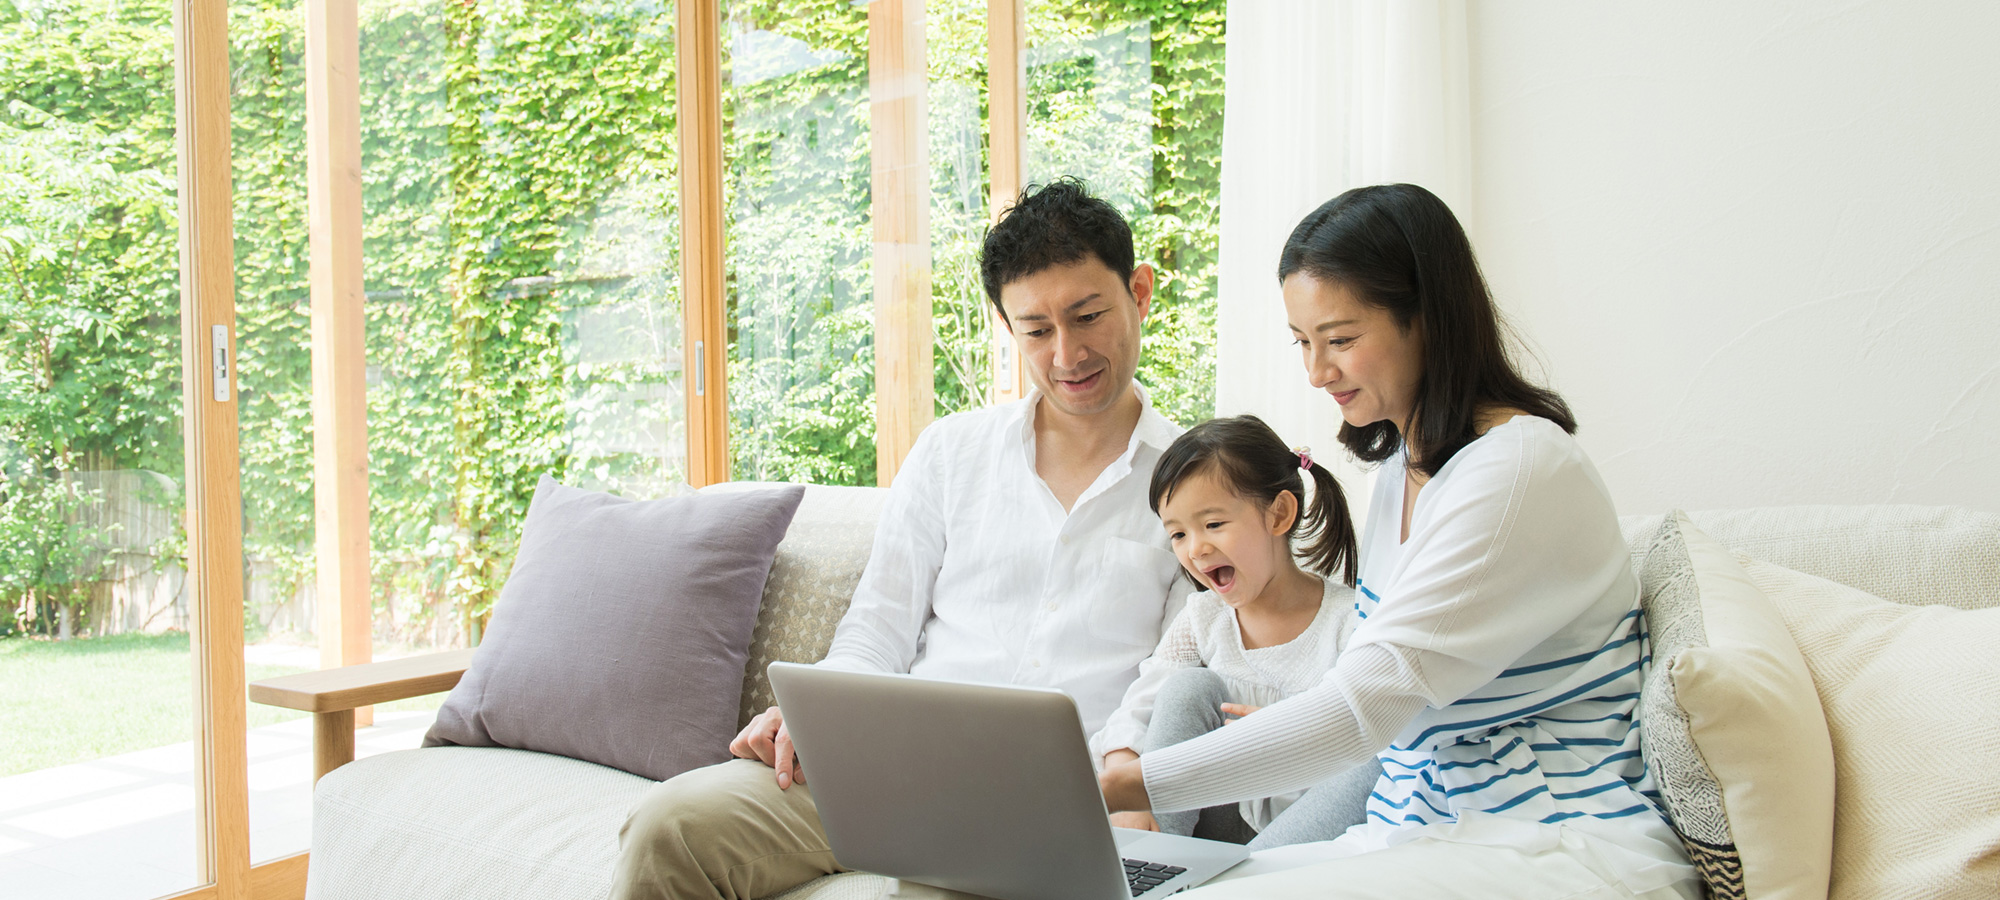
(121, 827)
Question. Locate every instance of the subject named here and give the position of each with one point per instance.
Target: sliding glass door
(95, 692)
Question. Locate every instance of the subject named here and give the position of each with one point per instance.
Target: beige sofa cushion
(1733, 730)
(1912, 697)
(464, 822)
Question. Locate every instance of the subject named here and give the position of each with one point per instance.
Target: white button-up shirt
(979, 575)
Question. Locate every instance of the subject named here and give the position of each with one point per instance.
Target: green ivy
(521, 224)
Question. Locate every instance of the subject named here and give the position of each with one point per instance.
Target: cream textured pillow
(1733, 730)
(1912, 697)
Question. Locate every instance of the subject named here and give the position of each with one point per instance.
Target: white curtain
(1322, 96)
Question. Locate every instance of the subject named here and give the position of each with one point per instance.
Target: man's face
(1078, 327)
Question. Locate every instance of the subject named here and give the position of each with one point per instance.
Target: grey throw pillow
(621, 634)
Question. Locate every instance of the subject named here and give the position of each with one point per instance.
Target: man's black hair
(1056, 224)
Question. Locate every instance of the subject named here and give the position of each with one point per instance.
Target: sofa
(478, 822)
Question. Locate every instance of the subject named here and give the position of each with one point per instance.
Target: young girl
(1232, 498)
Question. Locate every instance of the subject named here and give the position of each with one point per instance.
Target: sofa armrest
(332, 695)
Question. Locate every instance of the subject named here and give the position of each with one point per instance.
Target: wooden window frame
(900, 192)
(209, 423)
(898, 76)
(1007, 122)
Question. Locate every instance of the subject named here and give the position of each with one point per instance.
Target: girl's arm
(1177, 650)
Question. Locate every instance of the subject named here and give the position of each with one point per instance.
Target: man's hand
(1124, 787)
(1230, 711)
(766, 740)
(1143, 821)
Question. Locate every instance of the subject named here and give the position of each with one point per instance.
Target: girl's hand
(1234, 711)
(1124, 788)
(1143, 821)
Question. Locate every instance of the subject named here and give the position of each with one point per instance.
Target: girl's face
(1354, 351)
(1234, 545)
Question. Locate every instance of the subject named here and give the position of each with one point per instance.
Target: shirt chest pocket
(1130, 590)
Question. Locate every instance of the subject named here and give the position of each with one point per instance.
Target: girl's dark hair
(1248, 456)
(1398, 248)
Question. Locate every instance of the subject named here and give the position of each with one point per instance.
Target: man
(1016, 546)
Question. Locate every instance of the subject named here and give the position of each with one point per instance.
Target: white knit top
(1207, 634)
(1495, 669)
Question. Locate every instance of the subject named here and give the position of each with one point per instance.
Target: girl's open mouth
(1222, 577)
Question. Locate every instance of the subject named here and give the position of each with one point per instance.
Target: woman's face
(1354, 351)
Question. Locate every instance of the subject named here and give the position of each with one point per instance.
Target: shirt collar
(1153, 431)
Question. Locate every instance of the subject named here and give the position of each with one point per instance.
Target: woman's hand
(1143, 821)
(1124, 787)
(1233, 711)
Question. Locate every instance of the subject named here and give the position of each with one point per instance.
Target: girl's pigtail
(1333, 547)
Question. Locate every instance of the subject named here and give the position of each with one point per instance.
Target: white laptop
(981, 788)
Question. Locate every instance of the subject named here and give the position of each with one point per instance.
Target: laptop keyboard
(1144, 876)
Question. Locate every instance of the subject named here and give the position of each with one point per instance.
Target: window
(511, 269)
(1128, 96)
(96, 717)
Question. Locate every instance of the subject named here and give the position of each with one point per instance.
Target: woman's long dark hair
(1255, 464)
(1398, 248)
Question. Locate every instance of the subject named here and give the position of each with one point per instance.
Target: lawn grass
(65, 702)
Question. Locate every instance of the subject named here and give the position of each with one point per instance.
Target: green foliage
(550, 105)
(520, 179)
(799, 262)
(88, 307)
(961, 318)
(1128, 94)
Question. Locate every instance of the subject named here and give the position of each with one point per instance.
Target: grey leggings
(1188, 707)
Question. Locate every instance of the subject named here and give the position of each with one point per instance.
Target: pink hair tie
(1305, 457)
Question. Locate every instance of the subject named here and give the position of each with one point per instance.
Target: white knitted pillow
(1912, 698)
(1732, 729)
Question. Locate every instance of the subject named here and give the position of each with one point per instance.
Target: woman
(1496, 668)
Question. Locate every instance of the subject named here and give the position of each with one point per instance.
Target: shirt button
(1035, 662)
(1064, 540)
(1051, 607)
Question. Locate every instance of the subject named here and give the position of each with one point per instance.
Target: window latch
(219, 360)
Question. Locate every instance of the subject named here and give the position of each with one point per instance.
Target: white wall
(1756, 245)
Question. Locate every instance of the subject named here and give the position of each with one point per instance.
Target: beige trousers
(721, 833)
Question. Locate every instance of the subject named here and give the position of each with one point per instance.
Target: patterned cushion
(812, 579)
(1733, 733)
